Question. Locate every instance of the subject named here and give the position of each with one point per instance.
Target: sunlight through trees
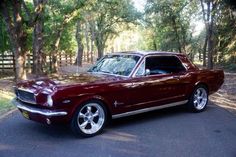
(88, 29)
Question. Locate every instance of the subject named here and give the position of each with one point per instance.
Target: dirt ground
(225, 97)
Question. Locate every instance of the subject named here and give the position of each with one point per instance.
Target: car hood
(49, 85)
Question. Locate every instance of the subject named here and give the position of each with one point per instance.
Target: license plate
(25, 114)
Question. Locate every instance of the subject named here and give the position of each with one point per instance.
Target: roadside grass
(5, 102)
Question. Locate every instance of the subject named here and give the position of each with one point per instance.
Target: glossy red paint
(119, 94)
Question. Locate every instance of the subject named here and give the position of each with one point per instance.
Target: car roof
(145, 53)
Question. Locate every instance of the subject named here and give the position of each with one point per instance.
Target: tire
(199, 99)
(89, 119)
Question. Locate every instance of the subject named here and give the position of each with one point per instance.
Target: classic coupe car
(120, 84)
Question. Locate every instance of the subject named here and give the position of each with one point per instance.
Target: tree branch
(27, 11)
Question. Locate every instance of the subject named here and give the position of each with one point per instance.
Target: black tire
(83, 116)
(198, 104)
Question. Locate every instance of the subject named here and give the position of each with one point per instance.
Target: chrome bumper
(44, 112)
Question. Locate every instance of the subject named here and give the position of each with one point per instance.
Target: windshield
(116, 64)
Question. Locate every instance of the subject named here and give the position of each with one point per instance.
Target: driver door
(153, 88)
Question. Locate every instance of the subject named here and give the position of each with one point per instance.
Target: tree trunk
(54, 61)
(211, 40)
(55, 48)
(80, 44)
(100, 48)
(199, 55)
(206, 18)
(38, 40)
(92, 39)
(87, 42)
(20, 66)
(184, 37)
(16, 34)
(210, 50)
(177, 34)
(204, 49)
(100, 45)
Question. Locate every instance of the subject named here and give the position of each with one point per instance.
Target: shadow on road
(145, 134)
(63, 131)
(30, 128)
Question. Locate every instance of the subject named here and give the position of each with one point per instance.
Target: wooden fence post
(50, 61)
(60, 59)
(66, 58)
(70, 59)
(3, 62)
(28, 64)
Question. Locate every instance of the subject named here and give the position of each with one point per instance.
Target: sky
(139, 4)
(199, 25)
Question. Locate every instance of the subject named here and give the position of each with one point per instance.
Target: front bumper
(34, 110)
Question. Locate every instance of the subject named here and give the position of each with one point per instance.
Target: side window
(164, 65)
(141, 70)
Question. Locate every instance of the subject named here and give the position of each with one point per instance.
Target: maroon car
(120, 84)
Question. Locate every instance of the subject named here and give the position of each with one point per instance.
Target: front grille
(25, 96)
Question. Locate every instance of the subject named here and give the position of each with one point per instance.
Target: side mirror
(147, 72)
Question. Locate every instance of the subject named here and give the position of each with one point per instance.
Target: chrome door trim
(149, 109)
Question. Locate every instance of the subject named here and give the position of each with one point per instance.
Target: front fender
(79, 100)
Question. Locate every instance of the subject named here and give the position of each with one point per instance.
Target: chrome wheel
(200, 98)
(91, 118)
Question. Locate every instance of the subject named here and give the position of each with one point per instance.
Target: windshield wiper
(104, 71)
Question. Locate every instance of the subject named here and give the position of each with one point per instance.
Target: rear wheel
(89, 119)
(199, 99)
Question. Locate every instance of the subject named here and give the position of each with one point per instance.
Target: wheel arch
(201, 83)
(190, 104)
(191, 90)
(83, 100)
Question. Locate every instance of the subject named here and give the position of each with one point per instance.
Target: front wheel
(89, 119)
(199, 99)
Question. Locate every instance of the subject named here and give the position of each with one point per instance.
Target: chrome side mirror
(147, 72)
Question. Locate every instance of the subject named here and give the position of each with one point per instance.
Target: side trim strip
(148, 109)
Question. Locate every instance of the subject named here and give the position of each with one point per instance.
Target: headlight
(49, 101)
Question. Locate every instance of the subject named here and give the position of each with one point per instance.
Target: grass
(5, 102)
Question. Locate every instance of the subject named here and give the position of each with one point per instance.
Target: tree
(19, 20)
(209, 19)
(79, 37)
(4, 39)
(226, 34)
(61, 15)
(108, 15)
(170, 21)
(12, 14)
(38, 38)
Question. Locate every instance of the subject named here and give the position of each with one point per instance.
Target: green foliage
(108, 15)
(5, 102)
(4, 39)
(226, 35)
(170, 22)
(166, 25)
(60, 18)
(68, 42)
